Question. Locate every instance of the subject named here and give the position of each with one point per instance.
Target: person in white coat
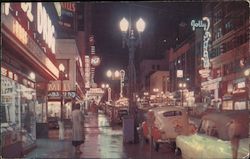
(77, 128)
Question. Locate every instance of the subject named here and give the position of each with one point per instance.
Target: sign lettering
(205, 24)
(20, 32)
(43, 23)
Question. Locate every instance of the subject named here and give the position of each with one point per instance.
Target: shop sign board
(57, 94)
(17, 77)
(87, 72)
(67, 17)
(180, 73)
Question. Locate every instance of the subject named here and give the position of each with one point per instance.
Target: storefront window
(227, 105)
(19, 105)
(54, 109)
(240, 105)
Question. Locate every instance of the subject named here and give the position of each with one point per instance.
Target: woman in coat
(77, 132)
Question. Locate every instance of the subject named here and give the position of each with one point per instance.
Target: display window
(240, 105)
(18, 108)
(54, 109)
(227, 105)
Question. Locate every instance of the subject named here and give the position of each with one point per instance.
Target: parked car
(53, 122)
(216, 136)
(167, 122)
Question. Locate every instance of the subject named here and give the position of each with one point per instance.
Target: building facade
(147, 68)
(72, 79)
(184, 63)
(28, 63)
(159, 82)
(229, 54)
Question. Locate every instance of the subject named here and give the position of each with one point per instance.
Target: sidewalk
(101, 141)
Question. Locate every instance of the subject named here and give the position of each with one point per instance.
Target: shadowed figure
(77, 132)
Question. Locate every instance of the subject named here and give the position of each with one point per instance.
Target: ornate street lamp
(117, 75)
(61, 69)
(130, 40)
(106, 86)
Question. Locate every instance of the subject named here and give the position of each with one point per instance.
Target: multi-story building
(229, 54)
(28, 63)
(183, 67)
(159, 82)
(147, 68)
(71, 48)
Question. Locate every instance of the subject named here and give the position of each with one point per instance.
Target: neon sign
(43, 22)
(87, 72)
(205, 24)
(20, 33)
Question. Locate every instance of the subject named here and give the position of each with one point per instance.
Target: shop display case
(18, 124)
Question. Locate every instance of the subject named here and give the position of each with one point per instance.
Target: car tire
(177, 152)
(156, 146)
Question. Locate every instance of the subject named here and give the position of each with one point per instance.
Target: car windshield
(172, 113)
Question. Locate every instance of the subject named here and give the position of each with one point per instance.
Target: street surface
(102, 141)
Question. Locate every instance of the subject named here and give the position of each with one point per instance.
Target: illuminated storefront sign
(17, 77)
(54, 94)
(87, 72)
(205, 24)
(179, 73)
(67, 17)
(20, 33)
(95, 61)
(43, 22)
(57, 86)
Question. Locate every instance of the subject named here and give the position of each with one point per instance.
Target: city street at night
(127, 79)
(102, 141)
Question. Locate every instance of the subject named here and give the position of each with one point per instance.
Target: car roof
(167, 108)
(225, 117)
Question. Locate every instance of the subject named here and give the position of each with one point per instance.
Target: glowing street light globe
(61, 67)
(140, 25)
(124, 25)
(107, 85)
(117, 74)
(103, 85)
(109, 73)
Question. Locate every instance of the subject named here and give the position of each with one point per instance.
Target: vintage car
(217, 137)
(166, 122)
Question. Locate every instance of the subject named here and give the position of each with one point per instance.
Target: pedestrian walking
(77, 132)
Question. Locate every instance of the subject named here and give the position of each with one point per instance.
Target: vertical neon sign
(205, 24)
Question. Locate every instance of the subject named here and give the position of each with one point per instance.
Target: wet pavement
(101, 141)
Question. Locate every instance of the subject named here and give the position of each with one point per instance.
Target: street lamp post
(106, 86)
(182, 86)
(122, 75)
(61, 69)
(130, 40)
(117, 75)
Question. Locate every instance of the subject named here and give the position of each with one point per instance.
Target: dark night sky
(162, 22)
